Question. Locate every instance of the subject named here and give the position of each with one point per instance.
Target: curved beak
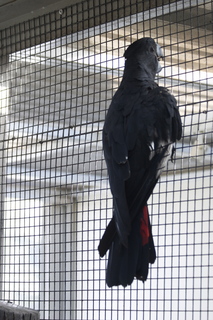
(159, 52)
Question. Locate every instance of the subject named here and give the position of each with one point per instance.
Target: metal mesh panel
(59, 73)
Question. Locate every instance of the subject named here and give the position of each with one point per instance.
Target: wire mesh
(58, 75)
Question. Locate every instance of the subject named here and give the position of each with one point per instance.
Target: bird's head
(147, 53)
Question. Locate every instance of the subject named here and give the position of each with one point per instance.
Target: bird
(140, 128)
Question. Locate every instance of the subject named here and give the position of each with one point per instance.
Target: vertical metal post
(4, 96)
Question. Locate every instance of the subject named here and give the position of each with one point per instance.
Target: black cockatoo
(140, 128)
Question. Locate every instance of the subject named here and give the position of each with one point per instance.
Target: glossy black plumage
(140, 127)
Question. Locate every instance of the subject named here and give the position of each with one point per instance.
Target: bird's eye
(152, 49)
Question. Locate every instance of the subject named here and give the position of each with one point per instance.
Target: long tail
(126, 263)
(149, 180)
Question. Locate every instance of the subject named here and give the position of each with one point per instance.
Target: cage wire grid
(58, 75)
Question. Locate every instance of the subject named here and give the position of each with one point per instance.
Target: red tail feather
(144, 227)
